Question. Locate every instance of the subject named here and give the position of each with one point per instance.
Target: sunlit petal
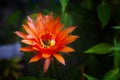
(67, 49)
(29, 42)
(70, 39)
(59, 58)
(27, 49)
(21, 34)
(36, 58)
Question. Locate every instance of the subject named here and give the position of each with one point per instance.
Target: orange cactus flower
(47, 38)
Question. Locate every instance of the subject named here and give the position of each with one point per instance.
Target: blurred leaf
(27, 78)
(116, 52)
(102, 48)
(15, 74)
(63, 4)
(14, 18)
(45, 11)
(112, 75)
(33, 16)
(66, 19)
(116, 47)
(17, 66)
(16, 60)
(90, 77)
(46, 79)
(104, 13)
(6, 72)
(116, 27)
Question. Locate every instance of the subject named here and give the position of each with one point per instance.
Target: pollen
(47, 40)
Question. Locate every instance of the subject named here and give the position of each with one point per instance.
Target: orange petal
(51, 15)
(67, 49)
(64, 33)
(28, 30)
(29, 37)
(50, 25)
(32, 27)
(59, 58)
(29, 19)
(27, 49)
(40, 26)
(69, 29)
(36, 58)
(29, 42)
(46, 64)
(70, 39)
(40, 16)
(57, 26)
(20, 34)
(46, 55)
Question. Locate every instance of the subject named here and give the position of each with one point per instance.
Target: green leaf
(104, 13)
(63, 4)
(66, 19)
(112, 75)
(27, 78)
(116, 47)
(102, 48)
(90, 77)
(116, 27)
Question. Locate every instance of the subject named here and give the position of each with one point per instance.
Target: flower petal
(32, 27)
(29, 42)
(59, 58)
(46, 55)
(40, 26)
(70, 39)
(29, 19)
(57, 26)
(46, 64)
(69, 29)
(35, 58)
(21, 34)
(27, 49)
(64, 33)
(28, 30)
(67, 49)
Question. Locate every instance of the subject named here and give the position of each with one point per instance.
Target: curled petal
(67, 49)
(21, 34)
(27, 49)
(36, 58)
(59, 58)
(46, 64)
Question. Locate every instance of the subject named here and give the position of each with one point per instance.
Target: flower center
(47, 40)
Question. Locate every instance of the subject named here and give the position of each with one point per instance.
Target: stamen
(47, 40)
